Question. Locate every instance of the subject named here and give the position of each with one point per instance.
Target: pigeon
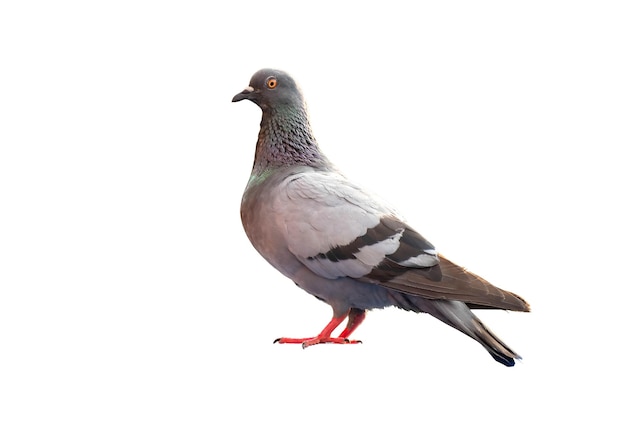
(341, 244)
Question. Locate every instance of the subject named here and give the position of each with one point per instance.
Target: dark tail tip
(503, 359)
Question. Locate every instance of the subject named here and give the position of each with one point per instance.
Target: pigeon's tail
(459, 316)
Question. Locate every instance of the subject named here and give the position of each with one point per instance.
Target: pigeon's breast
(263, 225)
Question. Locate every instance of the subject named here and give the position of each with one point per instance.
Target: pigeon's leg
(356, 317)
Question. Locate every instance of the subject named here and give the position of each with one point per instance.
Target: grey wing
(338, 230)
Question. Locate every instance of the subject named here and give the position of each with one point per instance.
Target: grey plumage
(337, 242)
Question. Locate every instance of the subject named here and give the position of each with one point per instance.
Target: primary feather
(338, 242)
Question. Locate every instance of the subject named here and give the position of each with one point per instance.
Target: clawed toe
(308, 342)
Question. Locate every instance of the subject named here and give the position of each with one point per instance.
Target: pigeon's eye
(271, 82)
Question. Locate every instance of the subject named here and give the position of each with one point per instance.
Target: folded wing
(337, 230)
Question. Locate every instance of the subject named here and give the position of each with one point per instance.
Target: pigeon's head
(271, 88)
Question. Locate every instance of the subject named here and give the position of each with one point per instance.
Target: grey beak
(243, 95)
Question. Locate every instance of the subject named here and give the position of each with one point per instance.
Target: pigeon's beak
(244, 95)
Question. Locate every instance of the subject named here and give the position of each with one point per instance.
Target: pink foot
(307, 342)
(355, 317)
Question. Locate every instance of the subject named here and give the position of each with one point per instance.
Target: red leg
(356, 317)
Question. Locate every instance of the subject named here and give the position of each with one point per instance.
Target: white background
(133, 310)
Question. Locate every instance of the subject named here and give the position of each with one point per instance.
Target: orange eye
(271, 82)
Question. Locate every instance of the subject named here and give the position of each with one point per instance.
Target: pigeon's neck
(286, 139)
